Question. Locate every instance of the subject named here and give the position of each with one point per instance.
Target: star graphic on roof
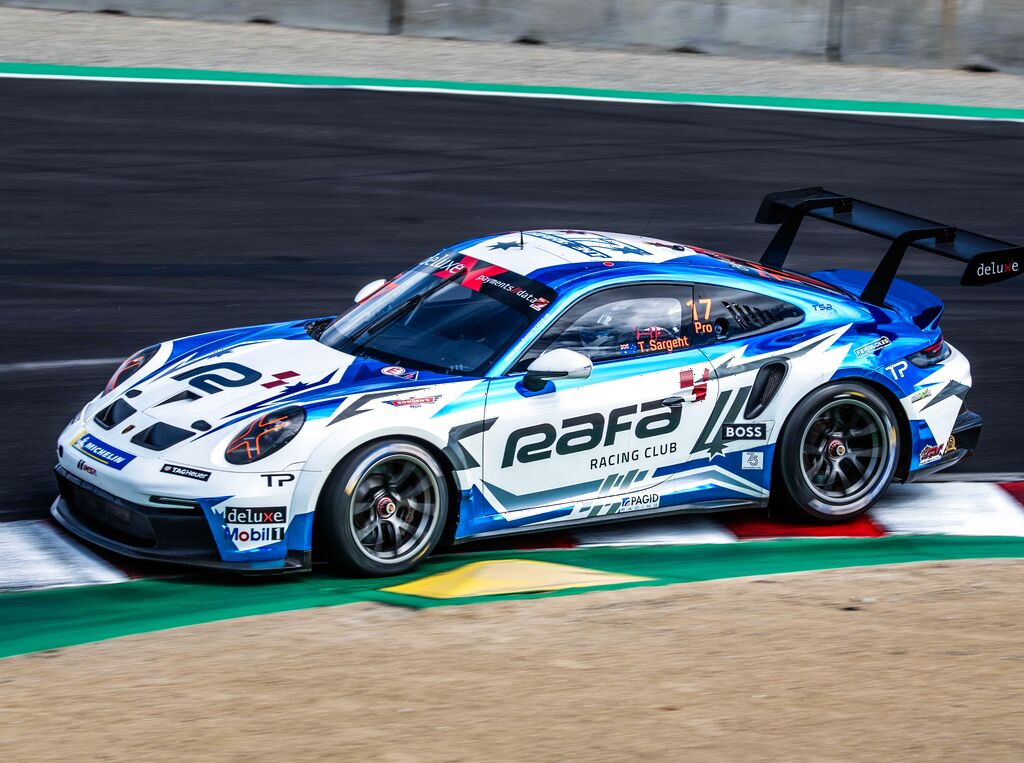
(504, 245)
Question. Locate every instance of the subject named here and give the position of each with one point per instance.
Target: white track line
(49, 365)
(180, 81)
(949, 508)
(505, 94)
(36, 555)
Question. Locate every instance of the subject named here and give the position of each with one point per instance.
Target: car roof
(530, 251)
(560, 257)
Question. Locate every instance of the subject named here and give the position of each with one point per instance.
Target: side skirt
(710, 507)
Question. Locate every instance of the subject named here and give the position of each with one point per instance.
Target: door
(609, 443)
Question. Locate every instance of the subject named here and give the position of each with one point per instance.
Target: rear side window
(620, 323)
(721, 314)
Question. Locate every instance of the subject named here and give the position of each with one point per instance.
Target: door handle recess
(678, 399)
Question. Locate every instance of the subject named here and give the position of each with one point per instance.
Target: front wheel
(384, 509)
(838, 452)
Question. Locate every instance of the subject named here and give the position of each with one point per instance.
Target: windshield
(451, 314)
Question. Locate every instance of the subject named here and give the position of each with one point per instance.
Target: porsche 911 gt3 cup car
(534, 380)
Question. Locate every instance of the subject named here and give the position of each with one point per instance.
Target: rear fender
(926, 400)
(916, 305)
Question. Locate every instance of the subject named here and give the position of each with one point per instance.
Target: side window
(720, 314)
(623, 322)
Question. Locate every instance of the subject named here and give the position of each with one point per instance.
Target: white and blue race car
(534, 380)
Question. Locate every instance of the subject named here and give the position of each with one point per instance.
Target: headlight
(264, 435)
(130, 366)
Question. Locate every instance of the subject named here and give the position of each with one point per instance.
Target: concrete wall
(935, 33)
(756, 27)
(341, 15)
(947, 33)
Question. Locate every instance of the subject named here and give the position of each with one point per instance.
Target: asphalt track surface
(131, 213)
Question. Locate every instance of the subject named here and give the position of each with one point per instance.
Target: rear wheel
(384, 509)
(838, 452)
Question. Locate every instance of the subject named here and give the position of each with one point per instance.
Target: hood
(200, 385)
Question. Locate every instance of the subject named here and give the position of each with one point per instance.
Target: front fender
(427, 415)
(329, 453)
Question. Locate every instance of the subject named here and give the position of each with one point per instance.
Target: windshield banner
(519, 292)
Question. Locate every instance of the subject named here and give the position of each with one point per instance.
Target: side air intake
(767, 382)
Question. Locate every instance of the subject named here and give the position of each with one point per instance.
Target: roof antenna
(644, 231)
(520, 238)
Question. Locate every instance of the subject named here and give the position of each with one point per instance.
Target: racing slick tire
(837, 453)
(383, 509)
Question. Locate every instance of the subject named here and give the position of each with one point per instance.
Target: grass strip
(40, 620)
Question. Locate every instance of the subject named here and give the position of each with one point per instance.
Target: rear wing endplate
(987, 260)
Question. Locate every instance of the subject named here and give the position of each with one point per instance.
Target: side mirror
(562, 363)
(369, 290)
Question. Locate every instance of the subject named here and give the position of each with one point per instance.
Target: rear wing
(987, 260)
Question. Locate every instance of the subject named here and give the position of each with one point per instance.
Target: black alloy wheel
(384, 508)
(837, 454)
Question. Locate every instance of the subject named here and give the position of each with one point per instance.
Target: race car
(528, 381)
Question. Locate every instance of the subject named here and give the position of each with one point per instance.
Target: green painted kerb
(208, 76)
(39, 620)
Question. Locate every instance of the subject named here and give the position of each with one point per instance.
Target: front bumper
(176, 535)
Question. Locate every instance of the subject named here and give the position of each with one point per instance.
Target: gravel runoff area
(918, 662)
(105, 40)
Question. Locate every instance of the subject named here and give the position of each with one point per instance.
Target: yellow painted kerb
(508, 576)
